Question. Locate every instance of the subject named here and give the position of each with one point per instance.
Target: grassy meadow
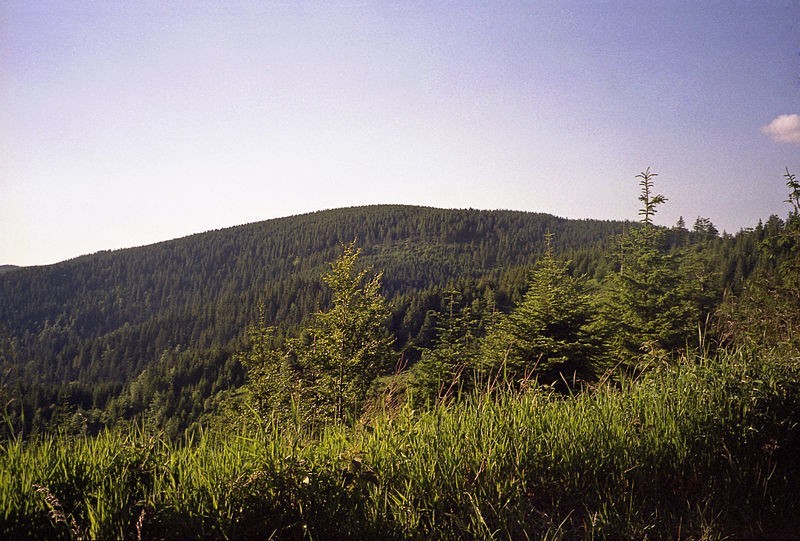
(703, 448)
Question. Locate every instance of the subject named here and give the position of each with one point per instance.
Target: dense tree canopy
(158, 331)
(767, 311)
(550, 334)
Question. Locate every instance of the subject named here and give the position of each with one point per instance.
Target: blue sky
(127, 123)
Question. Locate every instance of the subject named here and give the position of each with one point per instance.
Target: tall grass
(701, 449)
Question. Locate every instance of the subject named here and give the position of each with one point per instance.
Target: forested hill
(93, 324)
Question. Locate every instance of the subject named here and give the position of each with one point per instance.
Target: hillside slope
(92, 324)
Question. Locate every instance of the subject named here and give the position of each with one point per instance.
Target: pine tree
(767, 312)
(705, 229)
(794, 192)
(649, 202)
(550, 333)
(680, 234)
(441, 368)
(649, 304)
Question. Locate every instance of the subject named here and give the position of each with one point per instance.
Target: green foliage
(65, 488)
(329, 366)
(448, 367)
(704, 449)
(767, 310)
(654, 301)
(154, 330)
(705, 229)
(271, 378)
(618, 460)
(550, 334)
(649, 201)
(649, 301)
(794, 191)
(347, 346)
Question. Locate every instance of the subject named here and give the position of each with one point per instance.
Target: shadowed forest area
(406, 372)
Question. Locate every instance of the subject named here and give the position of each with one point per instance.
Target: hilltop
(167, 318)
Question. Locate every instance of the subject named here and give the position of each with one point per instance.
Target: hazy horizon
(130, 123)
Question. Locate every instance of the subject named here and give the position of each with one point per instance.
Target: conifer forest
(402, 372)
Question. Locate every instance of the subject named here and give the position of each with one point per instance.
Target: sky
(128, 123)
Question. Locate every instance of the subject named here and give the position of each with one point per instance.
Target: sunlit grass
(700, 449)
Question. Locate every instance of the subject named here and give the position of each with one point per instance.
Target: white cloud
(784, 129)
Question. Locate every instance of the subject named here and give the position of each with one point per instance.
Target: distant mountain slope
(7, 268)
(102, 319)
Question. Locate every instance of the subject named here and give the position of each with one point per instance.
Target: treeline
(662, 296)
(165, 318)
(657, 394)
(154, 330)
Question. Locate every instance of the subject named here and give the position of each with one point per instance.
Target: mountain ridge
(10, 267)
(96, 323)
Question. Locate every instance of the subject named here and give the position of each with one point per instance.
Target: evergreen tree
(649, 202)
(794, 192)
(102, 322)
(767, 312)
(439, 371)
(649, 304)
(705, 229)
(680, 235)
(550, 333)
